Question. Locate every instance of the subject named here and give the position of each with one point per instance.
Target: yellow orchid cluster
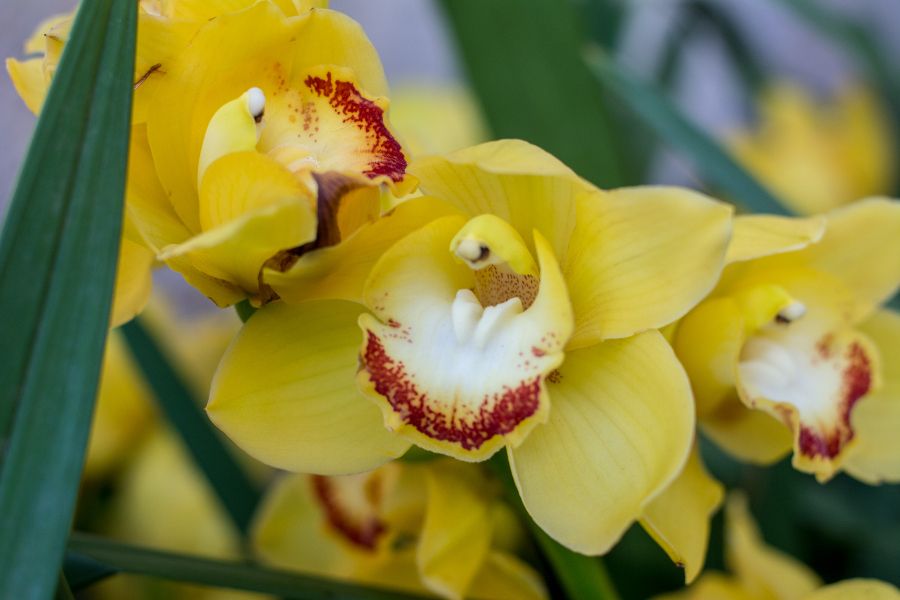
(477, 301)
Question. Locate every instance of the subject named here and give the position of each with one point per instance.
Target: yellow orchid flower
(269, 139)
(163, 502)
(435, 528)
(535, 285)
(793, 329)
(817, 156)
(764, 573)
(251, 157)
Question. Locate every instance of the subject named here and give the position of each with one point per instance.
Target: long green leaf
(709, 158)
(57, 268)
(81, 571)
(219, 573)
(234, 488)
(523, 58)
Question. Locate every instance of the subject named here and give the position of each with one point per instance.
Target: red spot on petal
(499, 413)
(368, 117)
(856, 382)
(359, 531)
(537, 351)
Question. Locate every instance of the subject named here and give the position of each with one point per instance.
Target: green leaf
(231, 483)
(219, 573)
(81, 571)
(523, 59)
(57, 268)
(63, 591)
(579, 576)
(710, 159)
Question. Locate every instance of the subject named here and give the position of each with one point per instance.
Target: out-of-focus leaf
(57, 268)
(63, 591)
(232, 485)
(225, 574)
(523, 58)
(709, 158)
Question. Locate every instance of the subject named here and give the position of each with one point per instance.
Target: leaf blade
(220, 573)
(57, 268)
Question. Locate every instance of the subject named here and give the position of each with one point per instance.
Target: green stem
(219, 573)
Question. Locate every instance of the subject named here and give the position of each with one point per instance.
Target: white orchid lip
(811, 377)
(456, 374)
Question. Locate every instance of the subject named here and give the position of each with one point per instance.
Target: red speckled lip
(499, 413)
(361, 532)
(856, 379)
(346, 100)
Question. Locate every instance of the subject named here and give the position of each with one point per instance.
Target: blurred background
(730, 53)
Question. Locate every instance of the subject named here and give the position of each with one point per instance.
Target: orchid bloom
(765, 573)
(258, 136)
(436, 528)
(529, 284)
(793, 330)
(266, 139)
(817, 156)
(31, 78)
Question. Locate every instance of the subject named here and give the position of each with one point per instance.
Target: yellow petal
(223, 61)
(159, 41)
(291, 530)
(794, 152)
(708, 343)
(520, 183)
(756, 236)
(164, 503)
(123, 414)
(254, 208)
(763, 571)
(876, 456)
(36, 43)
(864, 141)
(620, 431)
(339, 272)
(452, 375)
(711, 586)
(642, 257)
(28, 78)
(133, 281)
(329, 122)
(233, 128)
(456, 533)
(505, 577)
(678, 519)
(861, 249)
(286, 392)
(856, 589)
(750, 435)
